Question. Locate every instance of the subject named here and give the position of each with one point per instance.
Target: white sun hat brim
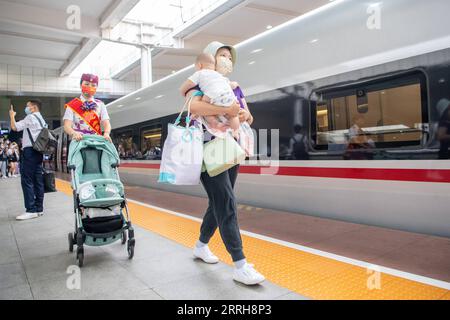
(214, 46)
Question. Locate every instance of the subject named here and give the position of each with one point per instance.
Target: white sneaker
(205, 254)
(248, 275)
(27, 216)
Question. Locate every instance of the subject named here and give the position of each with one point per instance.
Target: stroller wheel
(80, 256)
(124, 237)
(130, 248)
(71, 242)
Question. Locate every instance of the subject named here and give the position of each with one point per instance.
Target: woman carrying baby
(222, 209)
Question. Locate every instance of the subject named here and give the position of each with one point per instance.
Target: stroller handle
(93, 140)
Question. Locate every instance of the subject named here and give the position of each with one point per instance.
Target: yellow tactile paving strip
(305, 273)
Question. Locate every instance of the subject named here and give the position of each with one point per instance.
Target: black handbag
(49, 181)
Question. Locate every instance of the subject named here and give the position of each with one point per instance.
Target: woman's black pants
(222, 211)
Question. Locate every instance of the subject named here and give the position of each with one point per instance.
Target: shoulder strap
(40, 121)
(30, 136)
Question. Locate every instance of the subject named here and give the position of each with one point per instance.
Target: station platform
(34, 260)
(302, 257)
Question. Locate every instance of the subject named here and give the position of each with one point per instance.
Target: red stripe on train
(416, 175)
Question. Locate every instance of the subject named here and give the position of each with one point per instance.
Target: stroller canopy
(94, 161)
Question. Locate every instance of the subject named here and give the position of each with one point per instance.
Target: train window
(151, 143)
(387, 114)
(124, 145)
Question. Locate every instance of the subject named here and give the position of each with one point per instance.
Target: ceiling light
(159, 97)
(138, 98)
(257, 50)
(269, 27)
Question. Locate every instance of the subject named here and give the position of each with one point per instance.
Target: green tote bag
(221, 154)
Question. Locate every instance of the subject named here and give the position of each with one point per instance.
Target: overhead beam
(28, 61)
(220, 11)
(38, 37)
(78, 55)
(191, 27)
(206, 37)
(110, 18)
(115, 13)
(120, 74)
(28, 56)
(46, 20)
(272, 10)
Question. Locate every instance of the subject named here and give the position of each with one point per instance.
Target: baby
(217, 91)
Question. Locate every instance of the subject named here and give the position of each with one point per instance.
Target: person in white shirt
(31, 166)
(3, 159)
(13, 158)
(75, 122)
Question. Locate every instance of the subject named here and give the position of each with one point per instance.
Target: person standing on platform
(32, 178)
(443, 134)
(3, 160)
(222, 209)
(87, 115)
(13, 158)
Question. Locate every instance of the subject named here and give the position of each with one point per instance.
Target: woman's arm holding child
(202, 108)
(188, 84)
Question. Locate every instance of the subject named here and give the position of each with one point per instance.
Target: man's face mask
(224, 65)
(88, 90)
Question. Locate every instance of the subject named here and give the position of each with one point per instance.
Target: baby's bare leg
(234, 123)
(212, 121)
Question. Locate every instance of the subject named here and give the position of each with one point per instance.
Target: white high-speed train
(368, 83)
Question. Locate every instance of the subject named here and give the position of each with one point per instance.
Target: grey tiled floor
(34, 262)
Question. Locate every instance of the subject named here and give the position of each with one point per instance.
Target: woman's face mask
(224, 65)
(88, 90)
(28, 110)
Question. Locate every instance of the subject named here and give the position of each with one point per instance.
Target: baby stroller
(98, 195)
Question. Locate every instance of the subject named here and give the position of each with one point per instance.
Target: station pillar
(146, 66)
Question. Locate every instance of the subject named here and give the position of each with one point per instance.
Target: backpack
(46, 142)
(299, 148)
(3, 155)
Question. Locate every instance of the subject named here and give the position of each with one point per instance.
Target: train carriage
(368, 98)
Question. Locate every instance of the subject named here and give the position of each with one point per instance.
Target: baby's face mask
(224, 65)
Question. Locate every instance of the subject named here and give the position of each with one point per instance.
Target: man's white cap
(214, 46)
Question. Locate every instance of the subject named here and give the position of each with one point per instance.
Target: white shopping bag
(182, 156)
(247, 139)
